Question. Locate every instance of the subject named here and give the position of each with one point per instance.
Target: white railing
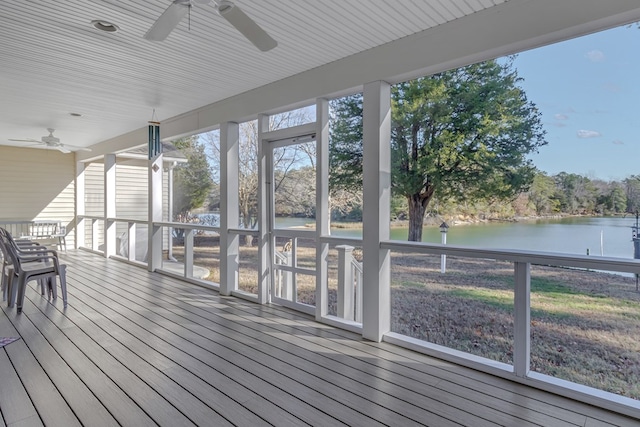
(521, 368)
(283, 279)
(349, 285)
(356, 266)
(95, 233)
(132, 245)
(190, 230)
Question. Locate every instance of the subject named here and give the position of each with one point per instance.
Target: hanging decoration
(155, 147)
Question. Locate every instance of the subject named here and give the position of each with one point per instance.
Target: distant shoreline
(461, 220)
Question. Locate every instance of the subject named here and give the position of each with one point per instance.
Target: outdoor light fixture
(105, 26)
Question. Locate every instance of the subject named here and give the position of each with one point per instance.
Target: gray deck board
(139, 348)
(14, 399)
(360, 386)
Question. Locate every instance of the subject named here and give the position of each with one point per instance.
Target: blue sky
(587, 91)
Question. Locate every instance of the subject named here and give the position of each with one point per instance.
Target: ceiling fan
(52, 142)
(172, 16)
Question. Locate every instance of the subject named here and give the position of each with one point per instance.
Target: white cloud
(618, 142)
(561, 117)
(588, 133)
(595, 56)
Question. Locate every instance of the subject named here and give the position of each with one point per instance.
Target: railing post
(95, 234)
(358, 292)
(188, 253)
(522, 319)
(131, 240)
(345, 282)
(287, 278)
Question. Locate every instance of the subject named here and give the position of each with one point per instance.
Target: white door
(292, 202)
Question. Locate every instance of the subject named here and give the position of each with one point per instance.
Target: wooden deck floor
(137, 349)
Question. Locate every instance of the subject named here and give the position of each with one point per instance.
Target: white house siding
(131, 195)
(132, 191)
(38, 184)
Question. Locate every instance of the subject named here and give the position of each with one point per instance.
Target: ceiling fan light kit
(176, 11)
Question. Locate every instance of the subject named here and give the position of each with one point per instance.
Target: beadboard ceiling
(54, 63)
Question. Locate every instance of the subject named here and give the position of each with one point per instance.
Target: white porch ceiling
(53, 62)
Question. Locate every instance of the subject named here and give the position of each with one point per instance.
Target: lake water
(573, 235)
(608, 236)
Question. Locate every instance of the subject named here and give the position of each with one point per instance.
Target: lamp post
(444, 227)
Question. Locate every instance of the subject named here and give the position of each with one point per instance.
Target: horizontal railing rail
(128, 220)
(93, 217)
(590, 262)
(244, 231)
(187, 226)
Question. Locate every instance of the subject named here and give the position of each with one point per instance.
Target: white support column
(522, 319)
(376, 120)
(154, 250)
(264, 213)
(80, 205)
(322, 206)
(229, 206)
(109, 240)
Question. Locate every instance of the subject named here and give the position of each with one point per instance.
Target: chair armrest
(39, 259)
(33, 249)
(26, 243)
(37, 255)
(44, 262)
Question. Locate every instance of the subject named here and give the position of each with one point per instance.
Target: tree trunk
(417, 208)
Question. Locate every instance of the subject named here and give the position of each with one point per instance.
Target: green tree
(463, 135)
(192, 180)
(542, 194)
(618, 199)
(576, 193)
(632, 189)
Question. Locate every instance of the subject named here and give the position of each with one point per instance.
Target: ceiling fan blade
(247, 26)
(169, 20)
(75, 147)
(26, 140)
(62, 149)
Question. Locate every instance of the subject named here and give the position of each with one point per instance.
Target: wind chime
(155, 147)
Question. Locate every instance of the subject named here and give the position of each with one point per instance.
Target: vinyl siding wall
(38, 184)
(131, 196)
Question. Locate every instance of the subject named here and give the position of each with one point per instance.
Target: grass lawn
(584, 324)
